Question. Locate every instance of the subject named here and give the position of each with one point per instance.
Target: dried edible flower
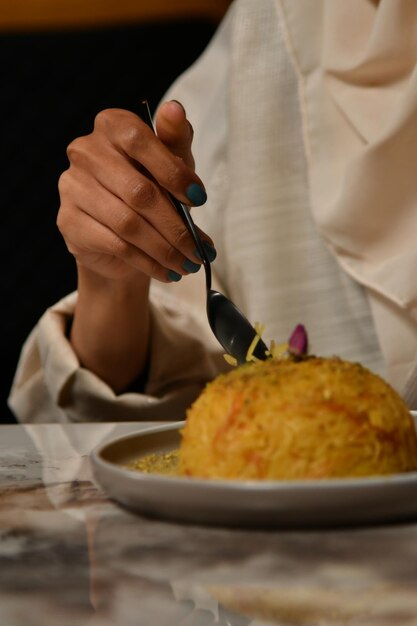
(298, 341)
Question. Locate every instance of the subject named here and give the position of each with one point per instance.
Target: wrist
(94, 283)
(110, 330)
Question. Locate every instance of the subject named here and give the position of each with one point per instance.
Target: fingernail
(179, 104)
(173, 276)
(196, 194)
(191, 267)
(210, 251)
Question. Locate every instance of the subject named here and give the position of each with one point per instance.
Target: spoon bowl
(231, 328)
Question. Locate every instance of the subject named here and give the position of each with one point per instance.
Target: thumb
(175, 131)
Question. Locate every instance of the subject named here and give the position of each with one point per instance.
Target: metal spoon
(230, 327)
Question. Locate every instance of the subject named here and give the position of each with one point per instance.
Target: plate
(301, 503)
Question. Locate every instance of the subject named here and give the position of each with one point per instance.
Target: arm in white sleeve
(51, 386)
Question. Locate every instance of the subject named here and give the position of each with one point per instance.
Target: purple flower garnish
(298, 342)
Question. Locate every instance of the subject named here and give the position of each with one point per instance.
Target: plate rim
(261, 485)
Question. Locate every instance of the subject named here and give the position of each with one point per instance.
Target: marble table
(68, 555)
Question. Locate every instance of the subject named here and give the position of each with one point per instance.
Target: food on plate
(157, 463)
(296, 416)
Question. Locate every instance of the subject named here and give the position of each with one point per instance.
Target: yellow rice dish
(297, 419)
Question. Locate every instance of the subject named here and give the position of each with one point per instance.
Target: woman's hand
(115, 215)
(120, 225)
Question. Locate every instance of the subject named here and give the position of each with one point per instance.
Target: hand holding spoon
(231, 328)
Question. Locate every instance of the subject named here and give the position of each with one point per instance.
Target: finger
(133, 137)
(120, 178)
(130, 226)
(89, 241)
(175, 131)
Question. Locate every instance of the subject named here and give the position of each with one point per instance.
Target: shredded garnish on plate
(157, 463)
(295, 347)
(278, 350)
(259, 328)
(230, 359)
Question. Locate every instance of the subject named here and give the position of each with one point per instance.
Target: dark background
(52, 84)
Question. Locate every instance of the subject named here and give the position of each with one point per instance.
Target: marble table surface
(68, 555)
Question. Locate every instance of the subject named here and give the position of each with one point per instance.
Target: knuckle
(63, 183)
(153, 267)
(118, 247)
(170, 258)
(156, 271)
(77, 150)
(135, 138)
(120, 124)
(63, 220)
(142, 193)
(104, 119)
(181, 237)
(126, 223)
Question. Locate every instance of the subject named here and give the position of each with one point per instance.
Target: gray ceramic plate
(246, 503)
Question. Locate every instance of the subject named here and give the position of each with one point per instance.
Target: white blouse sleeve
(50, 385)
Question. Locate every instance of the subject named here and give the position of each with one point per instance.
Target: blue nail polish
(173, 276)
(191, 267)
(210, 251)
(196, 194)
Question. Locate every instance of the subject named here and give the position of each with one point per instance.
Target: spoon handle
(145, 114)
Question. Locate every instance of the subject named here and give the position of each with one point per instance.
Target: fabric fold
(361, 113)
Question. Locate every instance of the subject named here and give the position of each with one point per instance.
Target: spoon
(230, 327)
